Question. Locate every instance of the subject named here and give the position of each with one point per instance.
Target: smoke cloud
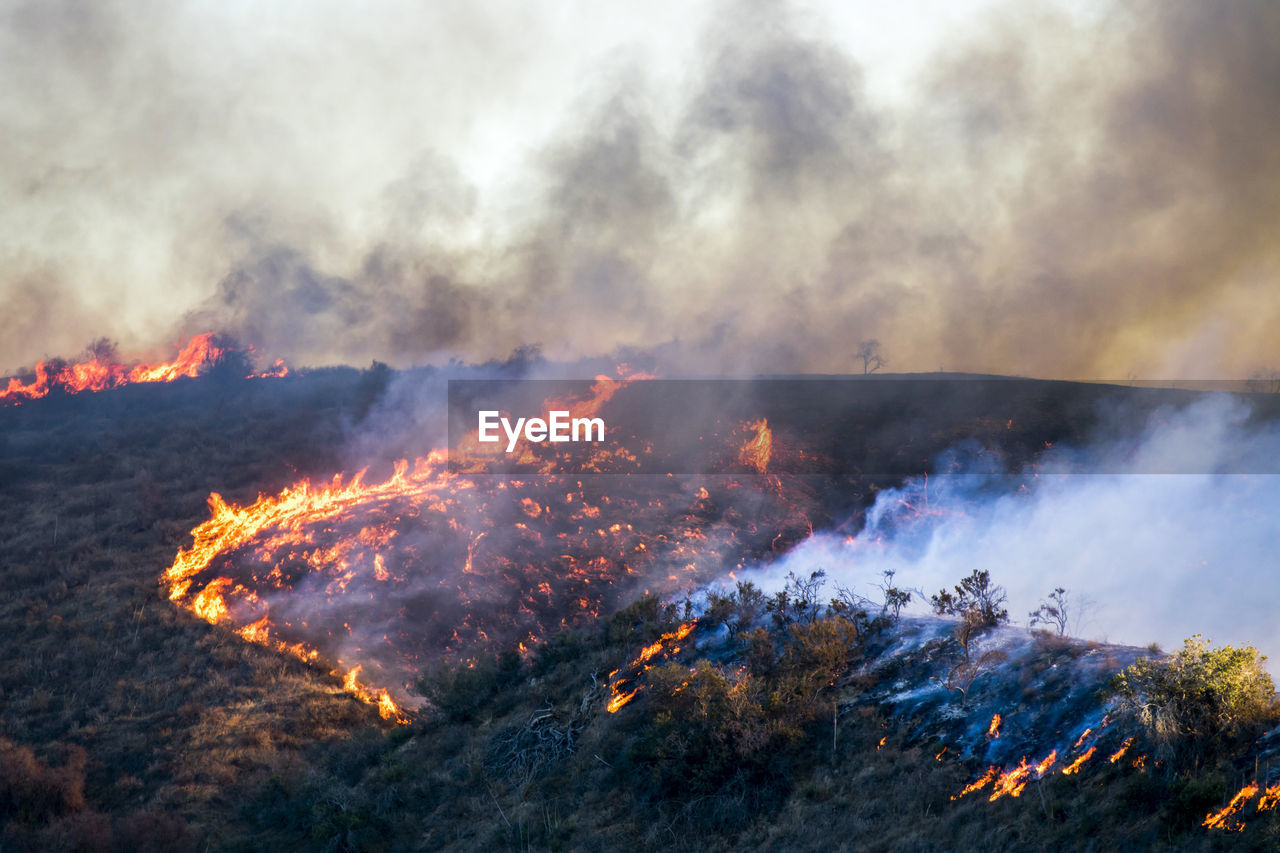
(1048, 192)
(1146, 557)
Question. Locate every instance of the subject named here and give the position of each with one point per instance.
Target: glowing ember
(1224, 818)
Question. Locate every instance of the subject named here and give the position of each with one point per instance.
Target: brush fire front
(378, 580)
(99, 373)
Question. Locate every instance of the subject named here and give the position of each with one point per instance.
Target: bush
(1198, 694)
(460, 692)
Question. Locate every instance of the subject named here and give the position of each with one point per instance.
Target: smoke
(1145, 556)
(1053, 193)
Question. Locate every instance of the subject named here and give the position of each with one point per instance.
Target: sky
(1045, 189)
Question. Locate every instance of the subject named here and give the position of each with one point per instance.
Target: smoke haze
(1145, 557)
(1043, 190)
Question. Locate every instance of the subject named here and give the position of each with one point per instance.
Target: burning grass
(99, 372)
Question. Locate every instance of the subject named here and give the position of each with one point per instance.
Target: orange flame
(1046, 763)
(617, 696)
(1269, 798)
(1074, 767)
(979, 783)
(1224, 818)
(1121, 751)
(755, 453)
(94, 375)
(1011, 782)
(993, 731)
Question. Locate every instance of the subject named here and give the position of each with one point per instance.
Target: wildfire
(1269, 798)
(1009, 783)
(979, 783)
(755, 453)
(387, 708)
(993, 731)
(97, 375)
(1074, 767)
(439, 562)
(1121, 751)
(618, 696)
(1224, 818)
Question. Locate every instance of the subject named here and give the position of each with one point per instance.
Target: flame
(1224, 818)
(755, 453)
(619, 697)
(993, 731)
(1269, 798)
(231, 527)
(1074, 767)
(279, 370)
(564, 549)
(1084, 734)
(1046, 763)
(617, 700)
(1121, 751)
(979, 783)
(94, 375)
(881, 744)
(1011, 782)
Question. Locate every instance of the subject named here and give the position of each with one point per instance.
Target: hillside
(127, 722)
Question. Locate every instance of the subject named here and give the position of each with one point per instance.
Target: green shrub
(1197, 695)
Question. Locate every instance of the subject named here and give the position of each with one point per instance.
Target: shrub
(460, 692)
(1198, 694)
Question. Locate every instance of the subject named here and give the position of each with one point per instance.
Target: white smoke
(1168, 535)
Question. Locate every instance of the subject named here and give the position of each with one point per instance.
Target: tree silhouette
(872, 359)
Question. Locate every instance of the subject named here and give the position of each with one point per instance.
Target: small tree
(979, 604)
(975, 599)
(872, 359)
(736, 610)
(798, 600)
(1053, 612)
(894, 598)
